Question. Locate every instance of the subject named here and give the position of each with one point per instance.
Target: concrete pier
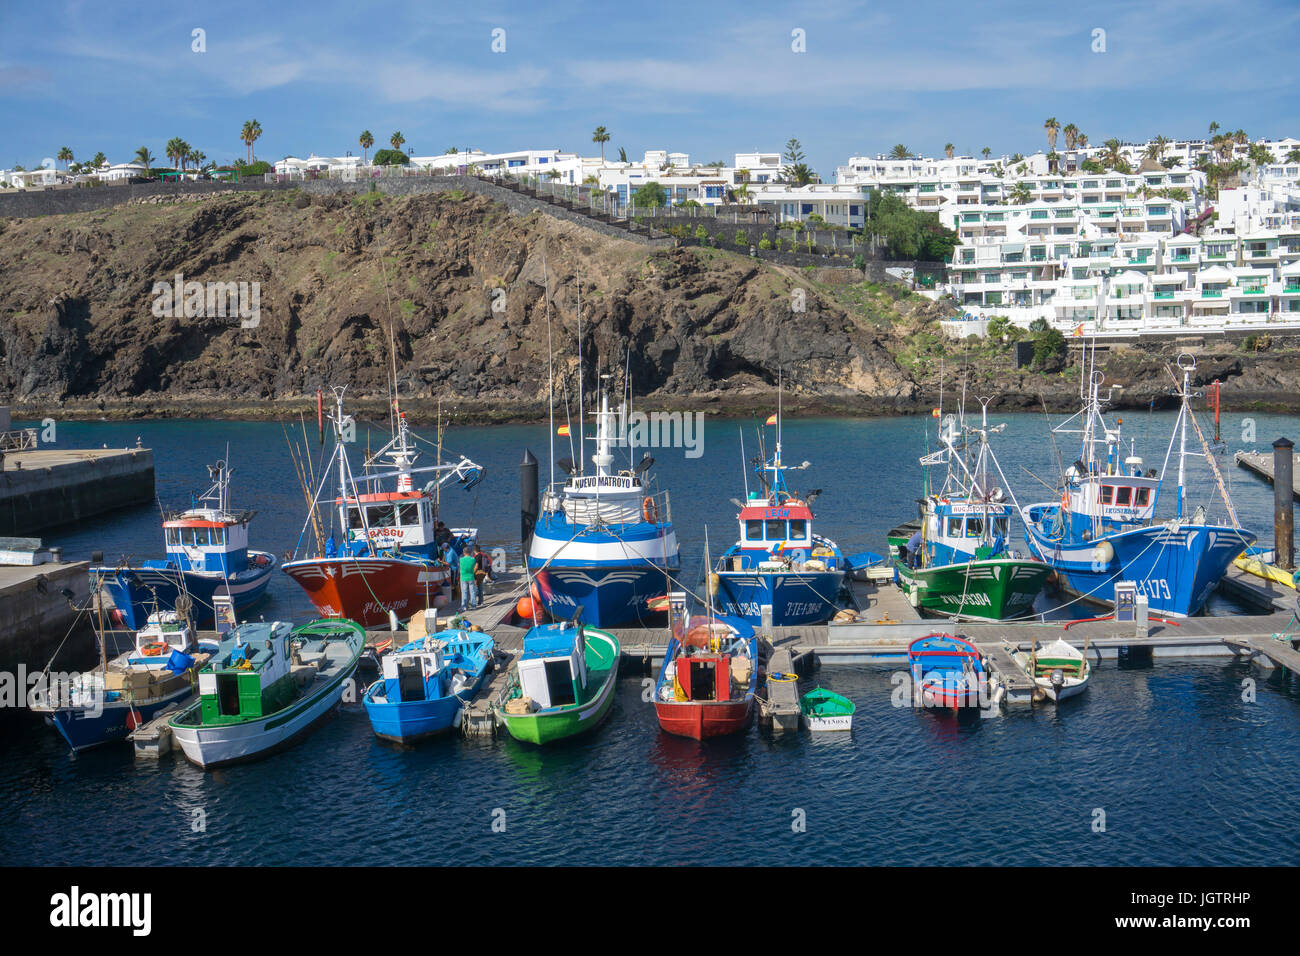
(1260, 464)
(36, 615)
(43, 488)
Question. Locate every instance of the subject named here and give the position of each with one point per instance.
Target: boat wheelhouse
(207, 556)
(1104, 529)
(377, 551)
(779, 562)
(603, 546)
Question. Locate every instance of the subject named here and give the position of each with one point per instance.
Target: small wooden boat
(707, 682)
(425, 682)
(947, 671)
(561, 685)
(267, 685)
(128, 691)
(824, 709)
(1059, 670)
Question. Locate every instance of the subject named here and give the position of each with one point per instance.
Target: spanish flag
(771, 420)
(934, 412)
(562, 430)
(1078, 331)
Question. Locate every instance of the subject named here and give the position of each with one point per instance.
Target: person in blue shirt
(331, 547)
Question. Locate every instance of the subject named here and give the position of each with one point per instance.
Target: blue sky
(707, 78)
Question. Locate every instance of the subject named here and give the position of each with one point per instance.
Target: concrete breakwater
(37, 615)
(43, 488)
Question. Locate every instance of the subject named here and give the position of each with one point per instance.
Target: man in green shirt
(468, 584)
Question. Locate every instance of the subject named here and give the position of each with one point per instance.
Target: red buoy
(525, 608)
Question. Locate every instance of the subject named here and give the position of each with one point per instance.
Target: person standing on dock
(469, 596)
(482, 571)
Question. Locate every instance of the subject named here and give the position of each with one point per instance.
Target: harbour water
(1185, 768)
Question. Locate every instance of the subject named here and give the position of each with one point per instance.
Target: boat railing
(20, 439)
(655, 508)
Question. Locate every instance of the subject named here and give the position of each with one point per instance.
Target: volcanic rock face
(446, 292)
(449, 288)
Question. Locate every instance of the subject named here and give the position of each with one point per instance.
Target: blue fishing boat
(779, 561)
(947, 672)
(106, 704)
(603, 546)
(207, 555)
(1104, 529)
(425, 683)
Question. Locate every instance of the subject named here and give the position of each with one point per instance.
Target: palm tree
(986, 152)
(249, 134)
(1214, 128)
(1081, 141)
(601, 136)
(900, 152)
(197, 158)
(948, 150)
(366, 140)
(397, 139)
(174, 150)
(1052, 127)
(1112, 157)
(1020, 194)
(98, 160)
(1071, 136)
(144, 157)
(1293, 156)
(65, 156)
(1240, 137)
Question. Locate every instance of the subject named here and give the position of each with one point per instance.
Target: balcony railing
(1164, 295)
(1211, 293)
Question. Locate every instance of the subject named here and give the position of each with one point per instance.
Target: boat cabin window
(1002, 527)
(974, 527)
(354, 519)
(172, 538)
(954, 527)
(408, 514)
(426, 512)
(754, 529)
(798, 528)
(775, 530)
(1107, 494)
(381, 516)
(1144, 497)
(1123, 496)
(559, 681)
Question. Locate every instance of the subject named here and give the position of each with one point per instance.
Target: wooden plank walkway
(781, 708)
(1283, 653)
(1257, 591)
(1260, 464)
(1019, 687)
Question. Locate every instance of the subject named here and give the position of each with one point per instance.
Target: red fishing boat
(387, 562)
(707, 682)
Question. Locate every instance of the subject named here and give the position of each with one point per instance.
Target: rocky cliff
(450, 290)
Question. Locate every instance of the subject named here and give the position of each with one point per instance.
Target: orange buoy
(525, 608)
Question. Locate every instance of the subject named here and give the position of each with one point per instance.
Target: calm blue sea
(1168, 756)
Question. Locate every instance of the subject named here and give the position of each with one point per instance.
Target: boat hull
(366, 589)
(1177, 567)
(237, 743)
(411, 721)
(84, 730)
(700, 720)
(993, 589)
(133, 589)
(607, 595)
(797, 598)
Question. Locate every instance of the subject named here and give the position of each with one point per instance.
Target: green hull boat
(824, 709)
(561, 686)
(994, 589)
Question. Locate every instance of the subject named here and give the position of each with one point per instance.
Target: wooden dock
(780, 709)
(1260, 464)
(1017, 686)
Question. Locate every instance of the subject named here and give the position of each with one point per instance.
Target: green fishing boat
(824, 709)
(958, 562)
(562, 685)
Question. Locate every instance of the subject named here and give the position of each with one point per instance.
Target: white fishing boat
(1059, 670)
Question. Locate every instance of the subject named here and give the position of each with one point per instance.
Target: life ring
(153, 650)
(650, 511)
(1065, 500)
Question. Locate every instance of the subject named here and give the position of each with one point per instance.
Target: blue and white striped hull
(133, 590)
(608, 595)
(797, 597)
(1177, 568)
(83, 728)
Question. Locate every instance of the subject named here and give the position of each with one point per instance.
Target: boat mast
(579, 373)
(1182, 438)
(550, 368)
